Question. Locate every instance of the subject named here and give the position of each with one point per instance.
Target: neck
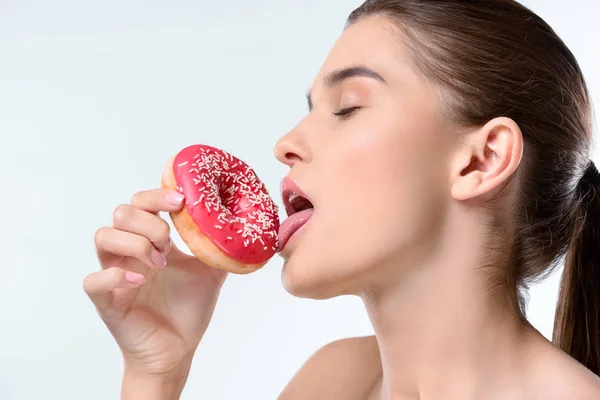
(442, 333)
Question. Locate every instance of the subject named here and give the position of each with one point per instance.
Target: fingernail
(135, 278)
(158, 259)
(174, 198)
(168, 246)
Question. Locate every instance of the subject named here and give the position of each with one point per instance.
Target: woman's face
(376, 176)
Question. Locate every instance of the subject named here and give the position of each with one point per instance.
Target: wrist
(153, 386)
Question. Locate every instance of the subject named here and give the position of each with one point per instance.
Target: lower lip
(292, 225)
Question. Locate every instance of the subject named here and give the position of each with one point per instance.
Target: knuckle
(164, 230)
(114, 273)
(141, 199)
(143, 248)
(101, 236)
(122, 213)
(88, 283)
(135, 199)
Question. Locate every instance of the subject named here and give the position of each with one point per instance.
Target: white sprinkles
(230, 192)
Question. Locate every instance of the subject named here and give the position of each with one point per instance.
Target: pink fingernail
(135, 278)
(174, 198)
(158, 259)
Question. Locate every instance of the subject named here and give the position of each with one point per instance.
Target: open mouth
(299, 209)
(294, 198)
(295, 203)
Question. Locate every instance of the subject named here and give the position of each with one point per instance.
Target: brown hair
(497, 58)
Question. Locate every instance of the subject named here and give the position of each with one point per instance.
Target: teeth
(293, 196)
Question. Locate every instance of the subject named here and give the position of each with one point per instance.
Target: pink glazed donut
(228, 221)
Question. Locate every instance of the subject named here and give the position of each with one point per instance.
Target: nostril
(292, 156)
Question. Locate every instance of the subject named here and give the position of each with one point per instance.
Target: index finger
(157, 200)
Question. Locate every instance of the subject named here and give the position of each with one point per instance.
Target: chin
(312, 280)
(299, 282)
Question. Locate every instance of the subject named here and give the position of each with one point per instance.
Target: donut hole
(234, 198)
(227, 195)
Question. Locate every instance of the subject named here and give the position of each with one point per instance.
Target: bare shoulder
(577, 381)
(559, 376)
(344, 368)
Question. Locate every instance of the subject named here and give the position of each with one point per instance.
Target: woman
(446, 154)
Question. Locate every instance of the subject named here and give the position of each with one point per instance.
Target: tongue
(291, 225)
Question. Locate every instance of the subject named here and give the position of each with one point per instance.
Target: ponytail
(577, 322)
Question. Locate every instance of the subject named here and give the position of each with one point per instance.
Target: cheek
(391, 189)
(380, 165)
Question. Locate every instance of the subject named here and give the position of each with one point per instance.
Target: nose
(292, 148)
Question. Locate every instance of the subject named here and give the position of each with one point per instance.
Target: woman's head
(372, 174)
(477, 113)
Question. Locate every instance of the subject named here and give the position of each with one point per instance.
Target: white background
(94, 98)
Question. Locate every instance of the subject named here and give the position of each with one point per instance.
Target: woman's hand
(155, 300)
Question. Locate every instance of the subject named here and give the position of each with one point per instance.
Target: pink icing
(228, 202)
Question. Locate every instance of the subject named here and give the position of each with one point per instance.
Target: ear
(487, 158)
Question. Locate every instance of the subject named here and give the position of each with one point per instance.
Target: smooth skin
(405, 189)
(156, 300)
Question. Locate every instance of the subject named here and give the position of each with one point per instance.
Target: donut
(228, 221)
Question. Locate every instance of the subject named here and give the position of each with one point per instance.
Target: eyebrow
(337, 76)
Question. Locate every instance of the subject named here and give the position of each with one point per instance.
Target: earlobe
(465, 187)
(489, 157)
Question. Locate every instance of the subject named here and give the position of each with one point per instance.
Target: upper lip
(289, 187)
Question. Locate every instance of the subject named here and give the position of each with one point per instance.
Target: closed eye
(346, 112)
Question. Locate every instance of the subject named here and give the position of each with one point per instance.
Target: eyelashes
(346, 112)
